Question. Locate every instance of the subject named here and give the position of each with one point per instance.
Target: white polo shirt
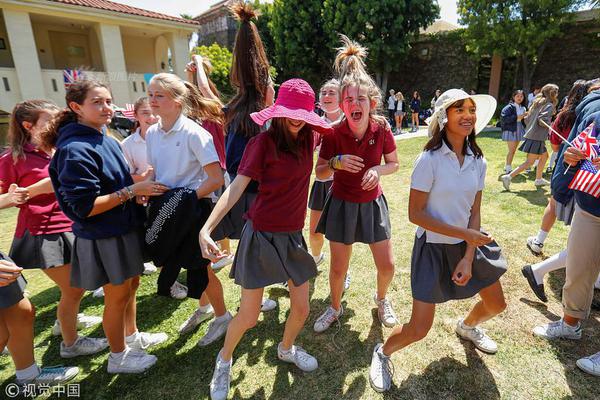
(452, 188)
(134, 149)
(179, 155)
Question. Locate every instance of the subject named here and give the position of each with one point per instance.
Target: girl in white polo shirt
(183, 154)
(452, 258)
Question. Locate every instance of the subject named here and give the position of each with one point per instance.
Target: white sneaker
(223, 262)
(536, 247)
(476, 335)
(149, 268)
(131, 361)
(506, 181)
(216, 330)
(590, 364)
(221, 379)
(144, 340)
(196, 319)
(541, 182)
(179, 291)
(268, 304)
(52, 376)
(83, 322)
(327, 318)
(385, 312)
(83, 346)
(558, 330)
(319, 259)
(347, 281)
(98, 292)
(381, 370)
(297, 355)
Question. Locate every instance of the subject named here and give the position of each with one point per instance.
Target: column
(180, 52)
(24, 54)
(113, 59)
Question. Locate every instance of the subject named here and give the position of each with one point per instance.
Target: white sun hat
(485, 109)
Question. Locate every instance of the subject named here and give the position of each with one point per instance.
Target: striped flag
(129, 111)
(587, 179)
(587, 142)
(70, 76)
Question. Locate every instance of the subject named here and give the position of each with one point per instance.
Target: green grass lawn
(439, 367)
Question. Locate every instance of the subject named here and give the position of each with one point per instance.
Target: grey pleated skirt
(236, 215)
(13, 293)
(224, 229)
(266, 258)
(516, 136)
(564, 212)
(318, 195)
(530, 146)
(102, 261)
(347, 222)
(42, 251)
(433, 264)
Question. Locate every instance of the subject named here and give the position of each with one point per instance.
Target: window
(54, 86)
(143, 87)
(135, 87)
(6, 85)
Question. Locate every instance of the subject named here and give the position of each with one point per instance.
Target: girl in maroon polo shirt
(272, 248)
(43, 238)
(356, 210)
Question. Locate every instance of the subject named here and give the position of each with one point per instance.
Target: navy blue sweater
(587, 112)
(235, 144)
(88, 164)
(508, 118)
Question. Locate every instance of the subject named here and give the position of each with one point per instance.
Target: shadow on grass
(447, 377)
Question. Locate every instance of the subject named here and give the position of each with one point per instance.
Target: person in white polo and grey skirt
(43, 236)
(536, 134)
(451, 259)
(95, 190)
(272, 248)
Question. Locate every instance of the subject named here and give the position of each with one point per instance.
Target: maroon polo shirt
(41, 215)
(377, 141)
(280, 205)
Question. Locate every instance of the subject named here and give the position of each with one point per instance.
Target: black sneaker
(538, 289)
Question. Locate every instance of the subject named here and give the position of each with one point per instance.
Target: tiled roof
(122, 8)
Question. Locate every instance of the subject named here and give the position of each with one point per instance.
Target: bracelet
(336, 162)
(130, 193)
(119, 196)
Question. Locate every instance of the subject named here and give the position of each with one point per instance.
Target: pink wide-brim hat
(295, 100)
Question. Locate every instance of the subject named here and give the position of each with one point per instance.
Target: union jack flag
(70, 76)
(587, 179)
(129, 111)
(587, 142)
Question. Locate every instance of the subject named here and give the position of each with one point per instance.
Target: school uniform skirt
(564, 212)
(97, 262)
(515, 136)
(433, 264)
(531, 146)
(236, 215)
(266, 258)
(42, 251)
(318, 195)
(347, 222)
(13, 293)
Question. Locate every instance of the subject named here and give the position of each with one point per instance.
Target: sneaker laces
(51, 372)
(387, 308)
(387, 366)
(595, 358)
(85, 341)
(222, 373)
(329, 316)
(302, 354)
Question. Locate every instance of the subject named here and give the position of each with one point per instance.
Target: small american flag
(587, 179)
(70, 76)
(587, 142)
(129, 111)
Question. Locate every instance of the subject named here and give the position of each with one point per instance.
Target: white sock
(553, 158)
(205, 308)
(536, 162)
(28, 373)
(119, 354)
(507, 167)
(132, 337)
(541, 236)
(465, 326)
(281, 349)
(557, 261)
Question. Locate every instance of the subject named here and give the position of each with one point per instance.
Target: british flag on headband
(129, 111)
(587, 179)
(70, 76)
(587, 141)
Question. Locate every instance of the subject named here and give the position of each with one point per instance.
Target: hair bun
(243, 11)
(350, 57)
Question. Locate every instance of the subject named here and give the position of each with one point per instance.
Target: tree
(221, 59)
(186, 16)
(300, 46)
(515, 28)
(386, 27)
